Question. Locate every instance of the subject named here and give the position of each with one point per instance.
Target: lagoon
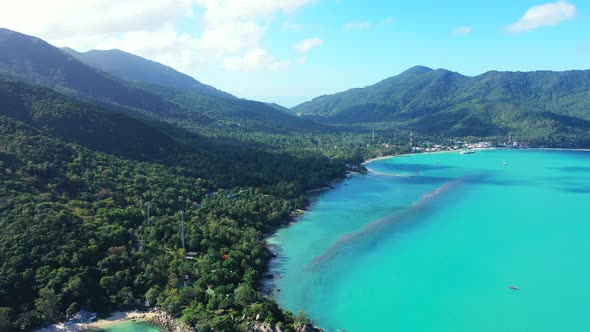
(132, 327)
(433, 242)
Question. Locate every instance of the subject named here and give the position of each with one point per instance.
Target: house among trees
(82, 317)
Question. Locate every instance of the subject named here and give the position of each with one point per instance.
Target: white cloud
(544, 15)
(388, 20)
(165, 46)
(357, 25)
(462, 30)
(148, 27)
(219, 11)
(293, 26)
(257, 59)
(301, 60)
(232, 26)
(307, 44)
(231, 37)
(62, 19)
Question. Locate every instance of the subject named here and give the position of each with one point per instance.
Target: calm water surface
(132, 327)
(435, 244)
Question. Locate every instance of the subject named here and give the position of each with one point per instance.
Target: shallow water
(434, 245)
(132, 327)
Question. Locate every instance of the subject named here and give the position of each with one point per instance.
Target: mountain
(85, 124)
(277, 106)
(183, 90)
(537, 105)
(76, 173)
(74, 181)
(136, 68)
(32, 60)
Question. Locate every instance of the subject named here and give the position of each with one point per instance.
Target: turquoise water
(434, 245)
(132, 327)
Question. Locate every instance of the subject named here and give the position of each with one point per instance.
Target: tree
(48, 304)
(6, 319)
(151, 296)
(301, 319)
(246, 294)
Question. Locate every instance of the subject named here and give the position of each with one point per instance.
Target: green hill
(182, 89)
(32, 60)
(543, 106)
(135, 68)
(85, 124)
(74, 180)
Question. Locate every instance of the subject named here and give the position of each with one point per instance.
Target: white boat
(467, 152)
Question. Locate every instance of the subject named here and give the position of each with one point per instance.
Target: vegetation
(134, 68)
(75, 232)
(548, 108)
(82, 153)
(32, 60)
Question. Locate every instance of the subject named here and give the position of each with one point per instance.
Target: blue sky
(290, 51)
(422, 33)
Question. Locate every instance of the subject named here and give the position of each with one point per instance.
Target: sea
(132, 327)
(496, 240)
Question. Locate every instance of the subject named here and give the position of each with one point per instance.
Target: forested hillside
(75, 230)
(32, 60)
(135, 68)
(86, 140)
(551, 108)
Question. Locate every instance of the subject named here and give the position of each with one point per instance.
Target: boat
(513, 288)
(467, 152)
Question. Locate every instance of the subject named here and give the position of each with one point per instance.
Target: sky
(290, 51)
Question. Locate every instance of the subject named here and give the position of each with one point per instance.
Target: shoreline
(116, 318)
(560, 149)
(267, 283)
(480, 149)
(368, 161)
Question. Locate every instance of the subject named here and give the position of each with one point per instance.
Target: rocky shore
(168, 323)
(265, 327)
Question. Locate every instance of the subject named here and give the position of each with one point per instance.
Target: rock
(308, 328)
(169, 323)
(265, 327)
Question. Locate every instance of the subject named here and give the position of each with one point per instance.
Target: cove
(132, 327)
(433, 242)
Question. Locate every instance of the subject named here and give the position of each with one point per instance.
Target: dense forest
(74, 219)
(87, 140)
(547, 108)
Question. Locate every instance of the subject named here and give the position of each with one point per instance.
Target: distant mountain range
(87, 139)
(135, 68)
(540, 105)
(122, 81)
(85, 124)
(549, 108)
(83, 149)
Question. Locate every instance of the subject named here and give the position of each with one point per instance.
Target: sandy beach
(458, 151)
(116, 318)
(372, 171)
(408, 154)
(559, 149)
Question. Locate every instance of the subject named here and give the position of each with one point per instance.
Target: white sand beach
(116, 318)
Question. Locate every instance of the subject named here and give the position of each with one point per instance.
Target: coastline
(368, 161)
(118, 317)
(457, 151)
(268, 286)
(372, 171)
(561, 149)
